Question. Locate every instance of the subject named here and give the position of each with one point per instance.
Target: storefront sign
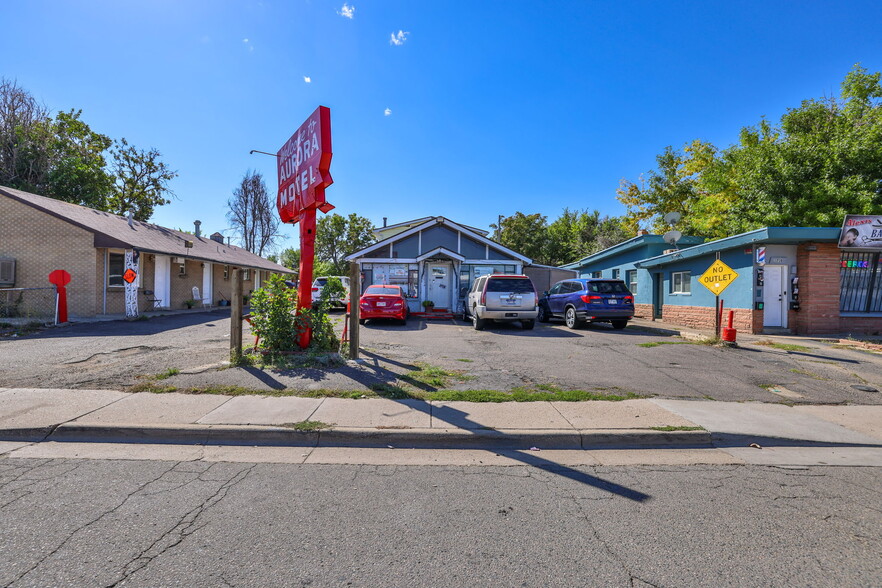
(861, 232)
(718, 277)
(304, 165)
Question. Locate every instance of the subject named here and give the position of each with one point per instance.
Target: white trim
(443, 250)
(386, 260)
(459, 242)
(440, 221)
(491, 262)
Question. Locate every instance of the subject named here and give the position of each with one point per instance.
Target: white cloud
(247, 42)
(398, 39)
(347, 11)
(307, 79)
(387, 112)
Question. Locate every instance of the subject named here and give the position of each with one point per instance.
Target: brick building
(789, 280)
(39, 235)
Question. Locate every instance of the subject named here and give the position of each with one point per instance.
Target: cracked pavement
(148, 523)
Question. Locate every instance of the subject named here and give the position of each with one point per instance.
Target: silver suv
(502, 298)
(318, 285)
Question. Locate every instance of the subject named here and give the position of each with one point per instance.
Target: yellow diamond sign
(718, 277)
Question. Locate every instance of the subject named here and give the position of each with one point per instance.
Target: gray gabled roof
(111, 230)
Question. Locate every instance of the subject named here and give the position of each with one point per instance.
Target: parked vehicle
(336, 301)
(383, 302)
(588, 300)
(499, 297)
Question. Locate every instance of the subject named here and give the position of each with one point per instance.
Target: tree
(140, 181)
(524, 233)
(337, 237)
(290, 258)
(823, 160)
(576, 234)
(253, 214)
(77, 166)
(23, 138)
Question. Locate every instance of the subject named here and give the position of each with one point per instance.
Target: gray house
(434, 258)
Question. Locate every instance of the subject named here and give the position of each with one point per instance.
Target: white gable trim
(440, 220)
(443, 250)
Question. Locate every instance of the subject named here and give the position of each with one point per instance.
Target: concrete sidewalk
(752, 432)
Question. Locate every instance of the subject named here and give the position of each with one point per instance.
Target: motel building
(779, 280)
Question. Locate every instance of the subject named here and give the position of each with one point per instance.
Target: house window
(860, 282)
(615, 274)
(226, 272)
(681, 283)
(116, 266)
(596, 274)
(246, 274)
(631, 278)
(413, 283)
(7, 272)
(182, 269)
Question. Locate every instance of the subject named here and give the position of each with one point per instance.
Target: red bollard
(728, 332)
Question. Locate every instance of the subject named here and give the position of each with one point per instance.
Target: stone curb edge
(361, 437)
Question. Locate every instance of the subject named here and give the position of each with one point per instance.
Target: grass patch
(707, 341)
(307, 426)
(669, 428)
(167, 374)
(808, 373)
(529, 395)
(20, 330)
(784, 346)
(428, 377)
(466, 360)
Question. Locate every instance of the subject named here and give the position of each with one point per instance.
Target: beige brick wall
(41, 243)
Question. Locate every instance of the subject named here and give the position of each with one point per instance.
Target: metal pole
(236, 318)
(354, 310)
(718, 309)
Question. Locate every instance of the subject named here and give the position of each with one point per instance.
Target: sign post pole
(236, 318)
(307, 260)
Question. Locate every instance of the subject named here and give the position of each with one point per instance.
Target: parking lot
(117, 354)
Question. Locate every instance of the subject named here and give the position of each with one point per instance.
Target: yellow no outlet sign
(718, 277)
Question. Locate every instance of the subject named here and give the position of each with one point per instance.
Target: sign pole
(307, 260)
(354, 310)
(236, 318)
(717, 311)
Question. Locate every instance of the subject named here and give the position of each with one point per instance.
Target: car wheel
(478, 323)
(543, 315)
(527, 325)
(362, 321)
(619, 325)
(570, 318)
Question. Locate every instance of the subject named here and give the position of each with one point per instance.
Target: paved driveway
(112, 355)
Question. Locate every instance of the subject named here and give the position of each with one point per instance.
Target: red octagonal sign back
(304, 165)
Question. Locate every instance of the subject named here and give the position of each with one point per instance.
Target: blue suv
(588, 300)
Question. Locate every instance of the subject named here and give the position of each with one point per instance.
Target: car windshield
(516, 285)
(390, 290)
(320, 282)
(608, 287)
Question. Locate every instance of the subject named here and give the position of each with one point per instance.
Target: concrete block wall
(702, 317)
(41, 243)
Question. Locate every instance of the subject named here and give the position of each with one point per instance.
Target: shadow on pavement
(116, 328)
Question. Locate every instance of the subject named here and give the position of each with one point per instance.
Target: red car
(383, 302)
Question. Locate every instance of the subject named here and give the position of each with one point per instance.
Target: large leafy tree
(524, 233)
(64, 158)
(822, 160)
(253, 215)
(336, 237)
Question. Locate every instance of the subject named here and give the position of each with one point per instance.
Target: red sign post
(60, 279)
(304, 165)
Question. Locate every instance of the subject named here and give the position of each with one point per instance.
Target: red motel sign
(304, 165)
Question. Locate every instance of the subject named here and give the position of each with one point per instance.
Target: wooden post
(236, 318)
(354, 310)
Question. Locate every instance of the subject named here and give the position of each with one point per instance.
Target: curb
(363, 437)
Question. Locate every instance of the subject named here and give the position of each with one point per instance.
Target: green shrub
(275, 320)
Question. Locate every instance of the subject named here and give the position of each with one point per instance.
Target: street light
(253, 151)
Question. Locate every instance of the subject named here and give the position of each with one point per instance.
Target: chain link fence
(24, 305)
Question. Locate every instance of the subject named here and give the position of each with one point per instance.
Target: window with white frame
(246, 274)
(116, 267)
(631, 278)
(596, 274)
(226, 272)
(681, 283)
(615, 274)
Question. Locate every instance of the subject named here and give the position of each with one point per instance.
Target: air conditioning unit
(179, 259)
(666, 251)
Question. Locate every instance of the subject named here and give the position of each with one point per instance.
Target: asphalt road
(116, 354)
(165, 523)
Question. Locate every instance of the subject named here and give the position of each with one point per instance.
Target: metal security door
(774, 296)
(439, 284)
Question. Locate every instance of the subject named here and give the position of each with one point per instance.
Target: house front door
(775, 296)
(439, 283)
(162, 280)
(207, 282)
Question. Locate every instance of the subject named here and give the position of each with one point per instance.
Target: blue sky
(476, 109)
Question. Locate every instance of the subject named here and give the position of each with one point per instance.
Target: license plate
(381, 304)
(613, 301)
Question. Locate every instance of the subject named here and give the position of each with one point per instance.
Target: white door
(439, 284)
(207, 282)
(775, 296)
(162, 280)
